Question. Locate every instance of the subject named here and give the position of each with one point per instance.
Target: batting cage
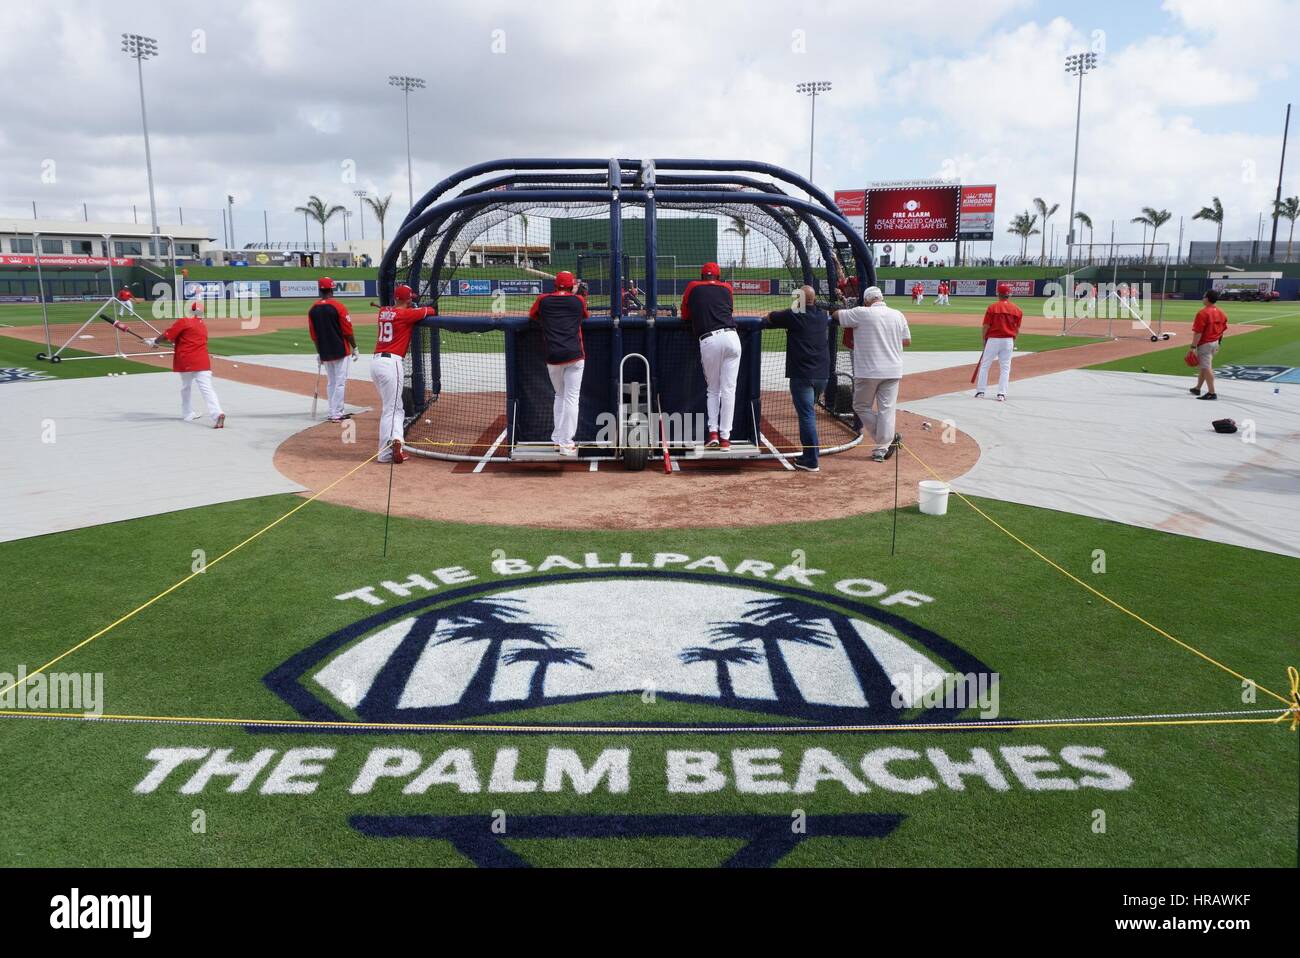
(484, 243)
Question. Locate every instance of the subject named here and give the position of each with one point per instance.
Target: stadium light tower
(406, 85)
(361, 209)
(142, 48)
(811, 89)
(1076, 64)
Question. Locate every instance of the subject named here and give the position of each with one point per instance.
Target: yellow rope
(1101, 595)
(168, 591)
(973, 726)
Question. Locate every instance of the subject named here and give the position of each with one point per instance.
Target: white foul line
(491, 452)
(776, 452)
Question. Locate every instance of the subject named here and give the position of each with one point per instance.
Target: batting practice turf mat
(284, 682)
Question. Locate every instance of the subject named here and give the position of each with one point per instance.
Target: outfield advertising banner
(970, 287)
(250, 287)
(751, 287)
(1020, 287)
(209, 289)
(74, 261)
(853, 207)
(293, 288)
(474, 287)
(977, 206)
(520, 287)
(912, 214)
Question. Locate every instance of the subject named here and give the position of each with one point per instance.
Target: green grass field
(18, 354)
(1211, 795)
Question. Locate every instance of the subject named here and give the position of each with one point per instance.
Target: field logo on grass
(769, 650)
(21, 374)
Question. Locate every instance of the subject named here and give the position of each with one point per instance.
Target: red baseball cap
(196, 306)
(402, 291)
(325, 283)
(710, 271)
(1004, 289)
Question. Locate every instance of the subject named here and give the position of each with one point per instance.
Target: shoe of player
(1002, 397)
(724, 444)
(714, 441)
(805, 466)
(398, 454)
(980, 394)
(221, 422)
(894, 446)
(877, 455)
(1195, 390)
(569, 450)
(1209, 396)
(191, 417)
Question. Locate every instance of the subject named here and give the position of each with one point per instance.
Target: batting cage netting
(477, 383)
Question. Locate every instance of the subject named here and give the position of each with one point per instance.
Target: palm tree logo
(723, 658)
(496, 622)
(544, 657)
(768, 624)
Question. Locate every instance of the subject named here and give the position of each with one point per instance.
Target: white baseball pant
(878, 423)
(387, 374)
(336, 384)
(203, 380)
(720, 357)
(566, 380)
(999, 348)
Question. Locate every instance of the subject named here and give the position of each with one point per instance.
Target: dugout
(476, 385)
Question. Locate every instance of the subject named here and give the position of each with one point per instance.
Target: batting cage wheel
(488, 240)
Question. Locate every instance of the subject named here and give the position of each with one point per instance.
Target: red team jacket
(395, 324)
(190, 336)
(1003, 320)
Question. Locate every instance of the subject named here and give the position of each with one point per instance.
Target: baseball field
(216, 655)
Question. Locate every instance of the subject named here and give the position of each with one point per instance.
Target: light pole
(811, 89)
(230, 214)
(361, 209)
(406, 85)
(142, 48)
(1076, 64)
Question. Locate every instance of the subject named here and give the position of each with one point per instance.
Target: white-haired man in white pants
(707, 304)
(880, 334)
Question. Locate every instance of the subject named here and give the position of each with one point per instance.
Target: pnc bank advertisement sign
(912, 214)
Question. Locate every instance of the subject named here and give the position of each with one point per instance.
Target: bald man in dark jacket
(807, 366)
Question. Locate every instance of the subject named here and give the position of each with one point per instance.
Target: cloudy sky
(271, 100)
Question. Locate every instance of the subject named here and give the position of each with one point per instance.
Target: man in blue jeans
(807, 366)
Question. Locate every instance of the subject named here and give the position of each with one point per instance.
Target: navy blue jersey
(561, 314)
(707, 306)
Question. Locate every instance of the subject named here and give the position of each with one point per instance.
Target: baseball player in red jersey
(707, 306)
(189, 339)
(386, 369)
(1001, 326)
(336, 345)
(918, 293)
(124, 304)
(561, 314)
(942, 298)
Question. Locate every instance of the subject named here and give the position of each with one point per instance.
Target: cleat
(569, 450)
(1002, 397)
(980, 394)
(398, 454)
(1209, 396)
(877, 456)
(713, 442)
(221, 422)
(725, 445)
(1195, 390)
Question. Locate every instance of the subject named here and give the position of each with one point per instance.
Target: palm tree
(545, 656)
(380, 209)
(741, 229)
(769, 632)
(722, 657)
(1083, 219)
(317, 210)
(1155, 219)
(496, 622)
(876, 687)
(523, 220)
(1022, 225)
(1214, 214)
(1288, 208)
(1045, 212)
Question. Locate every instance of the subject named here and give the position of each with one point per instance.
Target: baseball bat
(663, 438)
(118, 324)
(976, 371)
(315, 393)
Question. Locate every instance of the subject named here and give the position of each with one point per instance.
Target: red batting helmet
(564, 280)
(402, 292)
(325, 283)
(196, 306)
(710, 271)
(1004, 289)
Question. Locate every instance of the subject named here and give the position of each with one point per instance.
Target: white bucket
(932, 497)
